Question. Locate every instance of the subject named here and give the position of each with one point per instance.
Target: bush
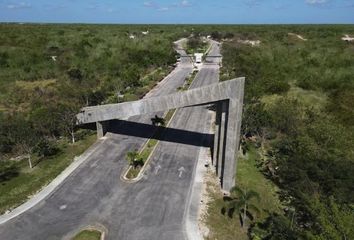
(46, 148)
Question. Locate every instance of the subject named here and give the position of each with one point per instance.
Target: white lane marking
(157, 169)
(181, 170)
(63, 207)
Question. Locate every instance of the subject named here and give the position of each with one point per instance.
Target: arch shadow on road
(144, 130)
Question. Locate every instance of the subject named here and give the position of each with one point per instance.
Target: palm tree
(134, 159)
(240, 201)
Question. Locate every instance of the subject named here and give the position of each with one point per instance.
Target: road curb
(192, 213)
(52, 186)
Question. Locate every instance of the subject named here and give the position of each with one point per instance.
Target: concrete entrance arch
(228, 97)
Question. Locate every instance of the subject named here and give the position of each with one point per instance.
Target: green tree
(25, 138)
(4, 59)
(274, 227)
(67, 114)
(134, 159)
(45, 120)
(240, 201)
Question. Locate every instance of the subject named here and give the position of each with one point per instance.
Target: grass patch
(88, 235)
(17, 190)
(307, 98)
(31, 86)
(248, 177)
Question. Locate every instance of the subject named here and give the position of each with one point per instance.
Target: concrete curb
(51, 187)
(192, 212)
(95, 227)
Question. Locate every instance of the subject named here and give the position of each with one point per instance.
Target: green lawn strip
(88, 235)
(150, 146)
(18, 189)
(248, 177)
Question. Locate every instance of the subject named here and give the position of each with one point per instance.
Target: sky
(178, 11)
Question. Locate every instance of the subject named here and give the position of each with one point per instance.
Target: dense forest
(299, 105)
(48, 72)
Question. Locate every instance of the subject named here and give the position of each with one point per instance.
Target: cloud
(185, 3)
(150, 4)
(164, 8)
(317, 2)
(108, 8)
(349, 4)
(20, 5)
(253, 3)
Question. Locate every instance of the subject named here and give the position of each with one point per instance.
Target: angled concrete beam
(204, 95)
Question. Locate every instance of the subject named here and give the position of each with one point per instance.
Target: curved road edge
(52, 186)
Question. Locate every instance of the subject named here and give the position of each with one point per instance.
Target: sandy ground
(348, 38)
(253, 43)
(298, 36)
(211, 183)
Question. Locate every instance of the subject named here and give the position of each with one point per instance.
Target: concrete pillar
(216, 134)
(232, 144)
(102, 128)
(222, 140)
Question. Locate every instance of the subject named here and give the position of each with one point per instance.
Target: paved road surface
(153, 208)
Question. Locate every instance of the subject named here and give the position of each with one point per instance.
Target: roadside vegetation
(196, 44)
(298, 132)
(19, 182)
(48, 72)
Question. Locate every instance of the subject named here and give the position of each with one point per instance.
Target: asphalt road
(153, 208)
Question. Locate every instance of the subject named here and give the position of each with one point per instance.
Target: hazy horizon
(179, 12)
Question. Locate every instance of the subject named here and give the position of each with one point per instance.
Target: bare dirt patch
(348, 38)
(211, 185)
(298, 36)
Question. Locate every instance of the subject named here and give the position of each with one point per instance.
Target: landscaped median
(188, 81)
(88, 235)
(139, 160)
(91, 233)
